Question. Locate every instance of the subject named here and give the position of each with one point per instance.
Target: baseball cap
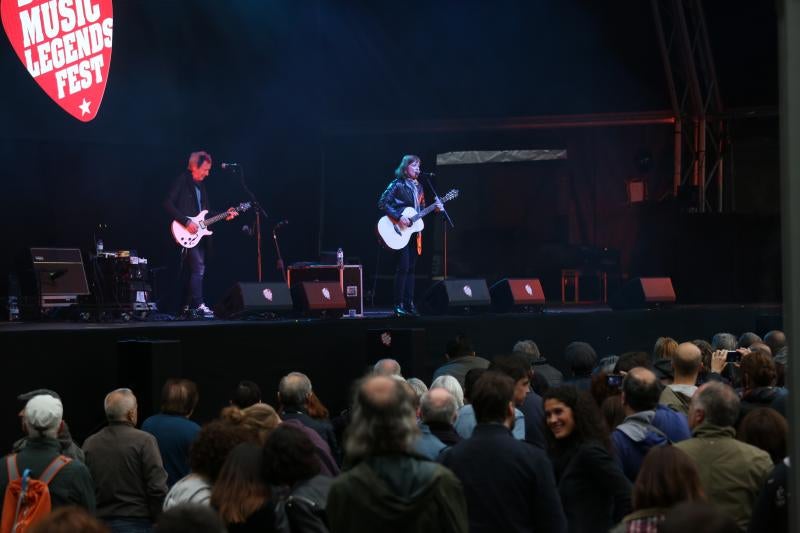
(43, 412)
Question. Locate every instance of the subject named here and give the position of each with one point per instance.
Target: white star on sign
(84, 107)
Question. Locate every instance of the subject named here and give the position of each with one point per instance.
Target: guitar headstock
(451, 194)
(244, 206)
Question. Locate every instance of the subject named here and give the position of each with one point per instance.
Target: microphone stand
(259, 211)
(449, 221)
(279, 263)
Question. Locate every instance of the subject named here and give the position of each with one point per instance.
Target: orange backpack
(27, 500)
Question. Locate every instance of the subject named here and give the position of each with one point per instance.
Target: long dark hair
(239, 490)
(400, 171)
(667, 477)
(589, 423)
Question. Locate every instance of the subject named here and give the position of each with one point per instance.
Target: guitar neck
(424, 212)
(215, 218)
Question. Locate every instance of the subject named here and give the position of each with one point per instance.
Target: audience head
(239, 490)
(383, 419)
(571, 415)
(714, 403)
(528, 348)
(758, 370)
(613, 411)
(213, 444)
(315, 408)
(775, 339)
(666, 478)
(438, 405)
(723, 341)
(289, 457)
(697, 517)
(293, 390)
(259, 419)
(120, 406)
(600, 388)
(687, 361)
(630, 360)
(459, 346)
(179, 397)
(705, 352)
(387, 367)
(518, 368)
(664, 348)
(493, 398)
(472, 376)
(43, 415)
(69, 519)
(606, 364)
(190, 518)
(747, 338)
(419, 387)
(451, 385)
(245, 394)
(581, 357)
(640, 390)
(765, 428)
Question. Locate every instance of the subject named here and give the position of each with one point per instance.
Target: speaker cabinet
(644, 293)
(520, 294)
(60, 276)
(244, 299)
(319, 298)
(457, 296)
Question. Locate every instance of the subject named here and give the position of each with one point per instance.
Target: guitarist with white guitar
(187, 198)
(403, 192)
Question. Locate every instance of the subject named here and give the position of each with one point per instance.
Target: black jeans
(404, 277)
(194, 266)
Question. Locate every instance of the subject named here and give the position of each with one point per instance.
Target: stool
(573, 275)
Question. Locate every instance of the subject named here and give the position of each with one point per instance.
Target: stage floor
(85, 360)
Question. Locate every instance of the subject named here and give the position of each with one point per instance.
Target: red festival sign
(66, 47)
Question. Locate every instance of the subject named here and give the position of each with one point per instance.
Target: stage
(83, 361)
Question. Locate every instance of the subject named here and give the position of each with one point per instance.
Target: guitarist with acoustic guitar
(186, 198)
(405, 191)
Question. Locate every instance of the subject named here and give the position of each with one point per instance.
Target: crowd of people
(690, 437)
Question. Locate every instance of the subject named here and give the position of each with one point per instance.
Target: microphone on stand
(428, 174)
(226, 166)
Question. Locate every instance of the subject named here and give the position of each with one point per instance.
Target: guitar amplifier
(350, 277)
(60, 277)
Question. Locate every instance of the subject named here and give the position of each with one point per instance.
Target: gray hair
(528, 348)
(438, 406)
(719, 402)
(383, 421)
(723, 341)
(387, 367)
(118, 404)
(451, 385)
(418, 385)
(294, 389)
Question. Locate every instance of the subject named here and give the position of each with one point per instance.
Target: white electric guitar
(396, 236)
(190, 240)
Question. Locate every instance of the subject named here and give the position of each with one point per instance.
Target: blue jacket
(644, 430)
(428, 444)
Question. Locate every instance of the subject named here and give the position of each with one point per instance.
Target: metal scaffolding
(701, 128)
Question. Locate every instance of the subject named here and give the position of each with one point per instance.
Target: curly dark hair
(759, 369)
(289, 457)
(589, 423)
(214, 442)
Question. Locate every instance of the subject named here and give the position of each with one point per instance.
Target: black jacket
(398, 196)
(509, 485)
(594, 491)
(323, 427)
(181, 202)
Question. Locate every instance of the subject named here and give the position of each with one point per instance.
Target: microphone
(428, 174)
(225, 166)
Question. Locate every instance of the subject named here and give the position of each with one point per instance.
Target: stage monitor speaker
(517, 294)
(244, 299)
(644, 293)
(319, 297)
(60, 276)
(457, 296)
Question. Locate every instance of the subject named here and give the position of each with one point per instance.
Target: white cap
(43, 412)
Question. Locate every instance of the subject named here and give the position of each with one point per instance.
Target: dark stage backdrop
(258, 82)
